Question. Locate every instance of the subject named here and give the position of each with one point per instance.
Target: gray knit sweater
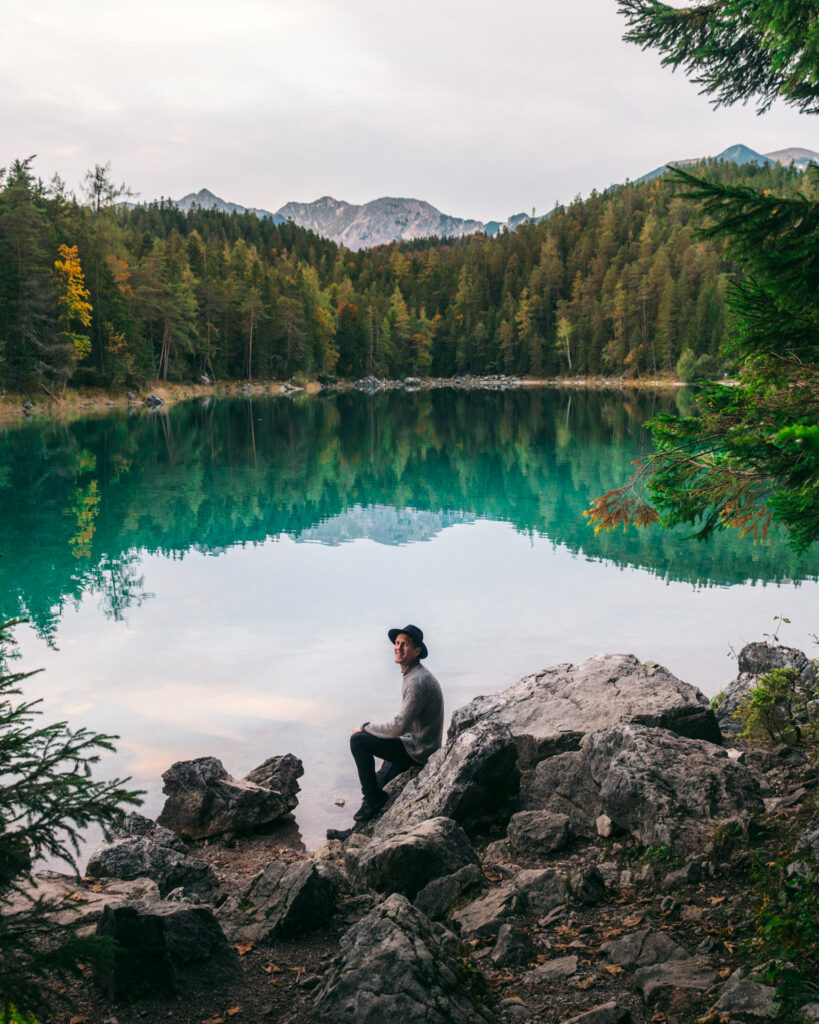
(420, 722)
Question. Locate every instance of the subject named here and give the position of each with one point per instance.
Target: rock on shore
(204, 800)
(394, 967)
(495, 743)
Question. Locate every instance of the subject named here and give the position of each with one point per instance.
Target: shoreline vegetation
(76, 403)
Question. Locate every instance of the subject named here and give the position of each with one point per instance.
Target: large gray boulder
(470, 779)
(543, 889)
(537, 833)
(164, 947)
(662, 788)
(204, 800)
(437, 896)
(675, 985)
(643, 948)
(393, 967)
(744, 999)
(72, 901)
(407, 861)
(282, 901)
(485, 915)
(139, 848)
(551, 711)
(754, 661)
(539, 890)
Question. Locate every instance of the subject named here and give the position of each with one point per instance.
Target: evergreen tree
(736, 50)
(751, 455)
(47, 799)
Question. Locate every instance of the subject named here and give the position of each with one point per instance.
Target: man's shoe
(370, 807)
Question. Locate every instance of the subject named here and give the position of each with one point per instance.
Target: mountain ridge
(392, 218)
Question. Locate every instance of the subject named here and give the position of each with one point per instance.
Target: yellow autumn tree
(75, 309)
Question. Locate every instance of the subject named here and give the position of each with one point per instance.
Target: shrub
(687, 367)
(777, 708)
(786, 930)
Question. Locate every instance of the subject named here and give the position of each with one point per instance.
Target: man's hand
(357, 729)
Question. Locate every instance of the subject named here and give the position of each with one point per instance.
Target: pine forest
(104, 293)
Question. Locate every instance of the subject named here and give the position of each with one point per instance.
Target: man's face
(405, 650)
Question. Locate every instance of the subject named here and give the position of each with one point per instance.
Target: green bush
(786, 931)
(777, 707)
(687, 367)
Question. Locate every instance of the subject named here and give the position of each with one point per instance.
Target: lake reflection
(219, 579)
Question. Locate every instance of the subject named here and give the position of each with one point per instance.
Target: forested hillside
(96, 293)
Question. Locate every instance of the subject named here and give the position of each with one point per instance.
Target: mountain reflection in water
(80, 502)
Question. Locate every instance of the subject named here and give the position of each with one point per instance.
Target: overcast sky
(482, 107)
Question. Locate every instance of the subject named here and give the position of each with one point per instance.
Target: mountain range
(740, 154)
(389, 219)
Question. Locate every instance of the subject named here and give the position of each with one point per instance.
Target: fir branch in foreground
(47, 799)
(736, 49)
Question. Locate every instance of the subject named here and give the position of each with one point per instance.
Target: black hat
(415, 634)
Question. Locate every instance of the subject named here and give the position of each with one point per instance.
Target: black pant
(365, 748)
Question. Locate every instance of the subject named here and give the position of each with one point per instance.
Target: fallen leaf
(96, 888)
(271, 969)
(658, 1018)
(725, 972)
(78, 1020)
(584, 984)
(633, 921)
(234, 1010)
(244, 947)
(613, 933)
(714, 900)
(214, 1020)
(615, 969)
(77, 897)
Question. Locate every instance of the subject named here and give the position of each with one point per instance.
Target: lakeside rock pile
(492, 382)
(576, 853)
(203, 800)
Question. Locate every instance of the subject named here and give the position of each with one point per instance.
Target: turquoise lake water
(219, 578)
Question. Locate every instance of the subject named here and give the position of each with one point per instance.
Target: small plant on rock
(777, 708)
(659, 854)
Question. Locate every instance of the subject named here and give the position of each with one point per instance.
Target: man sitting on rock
(411, 736)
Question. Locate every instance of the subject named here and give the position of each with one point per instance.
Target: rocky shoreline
(100, 401)
(585, 848)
